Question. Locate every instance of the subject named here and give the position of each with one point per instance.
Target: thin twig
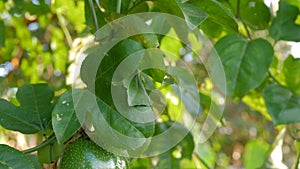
(62, 22)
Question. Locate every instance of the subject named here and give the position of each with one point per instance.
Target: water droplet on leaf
(58, 118)
(92, 128)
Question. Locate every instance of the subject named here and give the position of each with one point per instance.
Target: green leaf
(283, 25)
(291, 70)
(183, 150)
(245, 63)
(12, 158)
(105, 125)
(256, 153)
(282, 104)
(255, 14)
(34, 112)
(211, 28)
(193, 15)
(2, 33)
(107, 67)
(64, 119)
(217, 13)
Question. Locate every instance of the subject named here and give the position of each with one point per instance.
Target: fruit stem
(50, 140)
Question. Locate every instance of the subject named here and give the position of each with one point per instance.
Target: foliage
(261, 98)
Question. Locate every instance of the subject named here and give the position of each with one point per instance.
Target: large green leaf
(107, 67)
(64, 120)
(34, 112)
(217, 13)
(183, 150)
(107, 126)
(255, 14)
(291, 70)
(245, 63)
(283, 25)
(12, 158)
(255, 154)
(282, 104)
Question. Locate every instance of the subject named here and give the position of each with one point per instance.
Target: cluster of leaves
(255, 76)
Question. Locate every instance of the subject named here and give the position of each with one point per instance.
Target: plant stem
(118, 10)
(94, 14)
(51, 152)
(298, 158)
(247, 29)
(50, 140)
(62, 22)
(238, 8)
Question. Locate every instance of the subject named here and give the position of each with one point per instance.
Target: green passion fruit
(85, 154)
